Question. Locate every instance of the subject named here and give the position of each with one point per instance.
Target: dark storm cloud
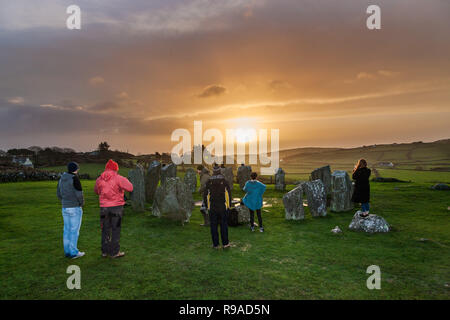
(212, 91)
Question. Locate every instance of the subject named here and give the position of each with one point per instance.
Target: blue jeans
(72, 223)
(365, 207)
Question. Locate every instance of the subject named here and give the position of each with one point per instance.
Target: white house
(23, 161)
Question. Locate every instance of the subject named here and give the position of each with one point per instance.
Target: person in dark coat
(217, 196)
(361, 193)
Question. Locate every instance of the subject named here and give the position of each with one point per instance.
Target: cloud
(387, 73)
(376, 75)
(278, 84)
(105, 106)
(96, 81)
(365, 75)
(123, 95)
(16, 100)
(212, 91)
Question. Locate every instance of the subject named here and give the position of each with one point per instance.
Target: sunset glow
(317, 74)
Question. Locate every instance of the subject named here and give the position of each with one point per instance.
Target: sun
(244, 135)
(243, 128)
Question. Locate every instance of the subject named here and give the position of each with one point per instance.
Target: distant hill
(416, 155)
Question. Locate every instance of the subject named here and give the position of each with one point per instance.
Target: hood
(108, 174)
(112, 165)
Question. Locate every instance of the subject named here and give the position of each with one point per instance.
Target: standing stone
(317, 197)
(168, 171)
(279, 180)
(243, 214)
(227, 172)
(137, 196)
(243, 175)
(293, 204)
(370, 224)
(341, 191)
(190, 179)
(152, 180)
(324, 174)
(173, 200)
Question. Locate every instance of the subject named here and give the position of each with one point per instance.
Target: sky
(137, 70)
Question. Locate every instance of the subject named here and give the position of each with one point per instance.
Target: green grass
(291, 260)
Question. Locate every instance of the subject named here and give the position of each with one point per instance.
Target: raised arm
(125, 184)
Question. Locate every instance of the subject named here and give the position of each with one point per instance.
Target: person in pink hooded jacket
(110, 187)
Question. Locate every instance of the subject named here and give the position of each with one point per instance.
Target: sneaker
(104, 255)
(118, 255)
(215, 247)
(227, 246)
(261, 229)
(79, 255)
(252, 228)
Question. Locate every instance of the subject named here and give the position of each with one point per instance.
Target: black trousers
(217, 217)
(252, 217)
(111, 223)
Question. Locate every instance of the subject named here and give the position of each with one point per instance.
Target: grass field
(291, 260)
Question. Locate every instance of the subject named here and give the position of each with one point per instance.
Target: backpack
(233, 217)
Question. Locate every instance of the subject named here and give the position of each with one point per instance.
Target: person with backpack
(217, 196)
(361, 193)
(70, 193)
(110, 187)
(253, 199)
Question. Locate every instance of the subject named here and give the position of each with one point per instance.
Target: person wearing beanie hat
(70, 193)
(72, 167)
(217, 196)
(110, 187)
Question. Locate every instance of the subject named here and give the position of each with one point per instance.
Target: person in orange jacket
(110, 187)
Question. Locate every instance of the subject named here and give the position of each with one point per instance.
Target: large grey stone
(370, 224)
(243, 175)
(341, 191)
(227, 172)
(173, 200)
(316, 197)
(152, 180)
(324, 174)
(243, 214)
(190, 179)
(137, 196)
(280, 183)
(168, 171)
(293, 204)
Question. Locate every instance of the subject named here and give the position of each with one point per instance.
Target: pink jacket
(110, 186)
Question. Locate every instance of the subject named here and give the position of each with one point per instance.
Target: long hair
(362, 163)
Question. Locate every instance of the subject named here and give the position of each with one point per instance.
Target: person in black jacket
(361, 193)
(217, 196)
